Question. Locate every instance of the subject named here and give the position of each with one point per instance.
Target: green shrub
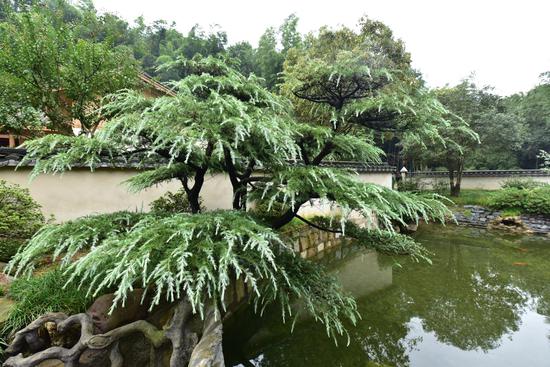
(472, 197)
(9, 247)
(441, 187)
(533, 201)
(521, 183)
(409, 184)
(173, 202)
(20, 218)
(265, 213)
(44, 293)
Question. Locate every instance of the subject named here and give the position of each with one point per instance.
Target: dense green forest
(512, 130)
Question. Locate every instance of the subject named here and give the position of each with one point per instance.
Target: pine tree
(219, 121)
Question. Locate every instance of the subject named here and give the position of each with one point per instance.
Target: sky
(505, 43)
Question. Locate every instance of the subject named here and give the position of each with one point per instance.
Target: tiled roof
(147, 79)
(359, 167)
(12, 157)
(485, 173)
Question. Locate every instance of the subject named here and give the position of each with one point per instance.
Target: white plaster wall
(482, 182)
(325, 208)
(81, 192)
(380, 178)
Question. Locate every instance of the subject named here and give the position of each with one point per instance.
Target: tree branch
(317, 226)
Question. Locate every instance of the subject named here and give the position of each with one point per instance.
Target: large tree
(219, 121)
(53, 71)
(534, 108)
(467, 105)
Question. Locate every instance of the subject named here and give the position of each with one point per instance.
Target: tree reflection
(472, 297)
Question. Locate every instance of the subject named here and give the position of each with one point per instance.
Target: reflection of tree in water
(470, 298)
(473, 303)
(383, 336)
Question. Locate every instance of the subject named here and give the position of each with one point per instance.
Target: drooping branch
(317, 226)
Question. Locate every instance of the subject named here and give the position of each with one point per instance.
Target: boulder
(509, 223)
(133, 310)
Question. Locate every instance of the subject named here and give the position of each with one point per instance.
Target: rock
(133, 310)
(511, 224)
(412, 227)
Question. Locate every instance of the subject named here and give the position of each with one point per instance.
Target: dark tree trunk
(455, 177)
(194, 194)
(455, 189)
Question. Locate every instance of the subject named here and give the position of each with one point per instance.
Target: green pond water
(485, 301)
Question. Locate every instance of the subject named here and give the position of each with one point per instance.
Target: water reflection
(485, 301)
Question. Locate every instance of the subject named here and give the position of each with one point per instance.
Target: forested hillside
(512, 130)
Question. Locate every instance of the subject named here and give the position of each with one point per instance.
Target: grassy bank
(472, 197)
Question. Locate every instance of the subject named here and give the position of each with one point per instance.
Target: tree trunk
(455, 189)
(455, 178)
(11, 139)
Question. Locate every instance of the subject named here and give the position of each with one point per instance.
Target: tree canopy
(58, 75)
(219, 121)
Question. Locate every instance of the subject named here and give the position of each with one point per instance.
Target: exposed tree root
(49, 336)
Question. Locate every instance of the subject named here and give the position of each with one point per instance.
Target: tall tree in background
(54, 72)
(534, 108)
(458, 141)
(273, 48)
(269, 61)
(246, 54)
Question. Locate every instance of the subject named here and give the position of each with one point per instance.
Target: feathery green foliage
(389, 242)
(318, 292)
(291, 185)
(178, 255)
(65, 241)
(218, 121)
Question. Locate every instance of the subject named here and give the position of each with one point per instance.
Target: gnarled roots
(56, 336)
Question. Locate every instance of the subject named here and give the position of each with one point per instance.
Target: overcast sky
(506, 43)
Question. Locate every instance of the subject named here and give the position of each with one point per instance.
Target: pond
(485, 301)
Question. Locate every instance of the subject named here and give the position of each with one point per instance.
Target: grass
(40, 294)
(472, 197)
(510, 212)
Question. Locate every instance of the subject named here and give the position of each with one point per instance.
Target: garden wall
(81, 192)
(487, 180)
